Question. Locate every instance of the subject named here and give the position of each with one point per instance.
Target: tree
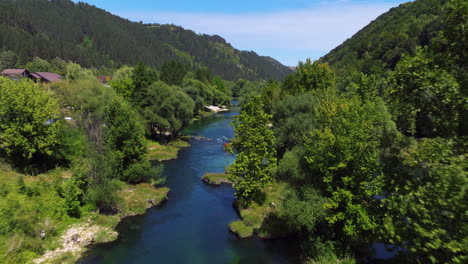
(123, 136)
(293, 118)
(270, 94)
(74, 73)
(39, 65)
(343, 153)
(256, 156)
(7, 59)
(173, 72)
(28, 131)
(166, 109)
(426, 99)
(426, 203)
(204, 74)
(309, 76)
(142, 78)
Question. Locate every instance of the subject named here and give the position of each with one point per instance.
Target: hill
(95, 38)
(379, 46)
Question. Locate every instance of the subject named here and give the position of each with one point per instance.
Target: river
(192, 226)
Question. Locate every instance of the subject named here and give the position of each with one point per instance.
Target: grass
(216, 178)
(136, 197)
(240, 228)
(160, 152)
(44, 211)
(259, 218)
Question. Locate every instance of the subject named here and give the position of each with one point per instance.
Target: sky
(286, 30)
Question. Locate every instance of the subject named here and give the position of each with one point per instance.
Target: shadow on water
(192, 227)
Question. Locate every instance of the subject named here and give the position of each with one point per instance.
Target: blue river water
(192, 226)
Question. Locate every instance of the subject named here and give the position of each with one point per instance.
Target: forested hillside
(380, 45)
(93, 37)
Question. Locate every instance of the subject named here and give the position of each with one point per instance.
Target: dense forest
(346, 160)
(93, 37)
(379, 46)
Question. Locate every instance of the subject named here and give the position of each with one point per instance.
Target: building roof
(48, 76)
(104, 79)
(13, 71)
(35, 75)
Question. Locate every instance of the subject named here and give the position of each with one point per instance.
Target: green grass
(258, 217)
(160, 152)
(240, 228)
(216, 178)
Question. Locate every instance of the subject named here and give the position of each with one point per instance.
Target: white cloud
(311, 31)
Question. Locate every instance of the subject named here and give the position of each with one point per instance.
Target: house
(104, 79)
(16, 74)
(45, 77)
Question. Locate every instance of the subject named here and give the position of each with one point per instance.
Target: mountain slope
(94, 37)
(379, 46)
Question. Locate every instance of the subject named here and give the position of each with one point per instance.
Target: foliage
(293, 118)
(74, 72)
(302, 210)
(166, 109)
(309, 76)
(122, 82)
(426, 210)
(39, 65)
(28, 132)
(343, 152)
(204, 75)
(256, 156)
(142, 77)
(377, 48)
(124, 137)
(426, 99)
(7, 60)
(93, 37)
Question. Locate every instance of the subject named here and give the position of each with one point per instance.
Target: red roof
(13, 71)
(49, 76)
(104, 79)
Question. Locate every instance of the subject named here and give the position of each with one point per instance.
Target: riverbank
(168, 151)
(261, 219)
(216, 179)
(34, 226)
(99, 228)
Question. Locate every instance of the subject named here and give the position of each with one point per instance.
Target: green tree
(28, 134)
(256, 156)
(343, 152)
(74, 73)
(39, 65)
(7, 60)
(204, 74)
(166, 109)
(309, 76)
(427, 202)
(123, 136)
(142, 78)
(270, 94)
(426, 99)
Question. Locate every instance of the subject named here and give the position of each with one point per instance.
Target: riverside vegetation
(77, 152)
(374, 154)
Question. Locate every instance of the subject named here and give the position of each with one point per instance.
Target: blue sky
(287, 30)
